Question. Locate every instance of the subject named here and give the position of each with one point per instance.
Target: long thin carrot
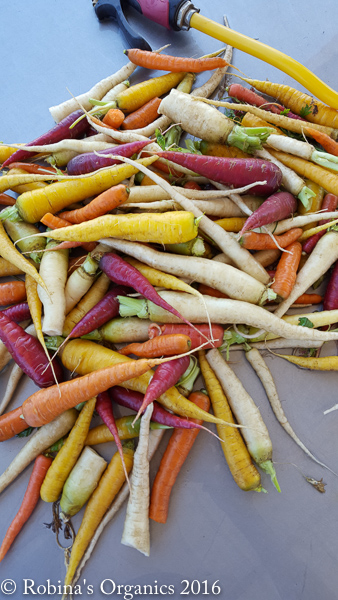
(286, 271)
(12, 292)
(45, 405)
(102, 204)
(262, 241)
(179, 446)
(9, 252)
(174, 64)
(113, 118)
(162, 345)
(327, 179)
(29, 502)
(12, 423)
(33, 168)
(324, 140)
(143, 116)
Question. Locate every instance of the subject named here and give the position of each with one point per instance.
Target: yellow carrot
(10, 181)
(33, 205)
(235, 451)
(68, 454)
(92, 297)
(162, 228)
(161, 279)
(297, 101)
(137, 95)
(84, 356)
(304, 168)
(234, 224)
(7, 268)
(35, 307)
(310, 232)
(10, 253)
(322, 363)
(315, 202)
(6, 152)
(126, 429)
(110, 484)
(250, 120)
(26, 187)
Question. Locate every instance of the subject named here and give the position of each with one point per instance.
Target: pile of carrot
(107, 253)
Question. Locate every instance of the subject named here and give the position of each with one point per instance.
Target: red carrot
(197, 335)
(89, 162)
(231, 171)
(238, 91)
(330, 203)
(29, 502)
(59, 132)
(18, 312)
(133, 400)
(278, 206)
(105, 410)
(103, 311)
(331, 294)
(166, 376)
(122, 273)
(28, 353)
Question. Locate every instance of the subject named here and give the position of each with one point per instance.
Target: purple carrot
(133, 400)
(18, 312)
(90, 161)
(122, 273)
(278, 206)
(330, 203)
(59, 132)
(103, 311)
(243, 94)
(231, 171)
(330, 301)
(166, 376)
(28, 353)
(104, 408)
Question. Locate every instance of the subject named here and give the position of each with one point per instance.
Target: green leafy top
(305, 111)
(305, 322)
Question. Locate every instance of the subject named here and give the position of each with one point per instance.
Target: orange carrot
(102, 204)
(75, 262)
(113, 118)
(143, 116)
(174, 64)
(29, 502)
(46, 404)
(7, 200)
(55, 222)
(262, 241)
(12, 423)
(286, 271)
(162, 345)
(12, 292)
(309, 299)
(192, 185)
(172, 461)
(324, 140)
(33, 168)
(209, 291)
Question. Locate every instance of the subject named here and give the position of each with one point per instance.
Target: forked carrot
(12, 292)
(29, 502)
(102, 204)
(143, 116)
(174, 64)
(162, 345)
(324, 140)
(263, 241)
(286, 271)
(113, 118)
(179, 446)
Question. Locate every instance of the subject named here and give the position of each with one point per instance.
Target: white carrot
(14, 378)
(53, 269)
(241, 257)
(320, 260)
(278, 344)
(299, 221)
(152, 193)
(222, 311)
(154, 441)
(264, 374)
(225, 278)
(136, 526)
(38, 442)
(79, 282)
(92, 144)
(246, 412)
(290, 180)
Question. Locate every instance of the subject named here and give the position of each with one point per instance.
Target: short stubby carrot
(286, 271)
(174, 64)
(197, 335)
(12, 292)
(29, 502)
(263, 241)
(113, 118)
(162, 345)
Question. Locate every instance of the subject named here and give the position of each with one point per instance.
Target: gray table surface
(258, 546)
